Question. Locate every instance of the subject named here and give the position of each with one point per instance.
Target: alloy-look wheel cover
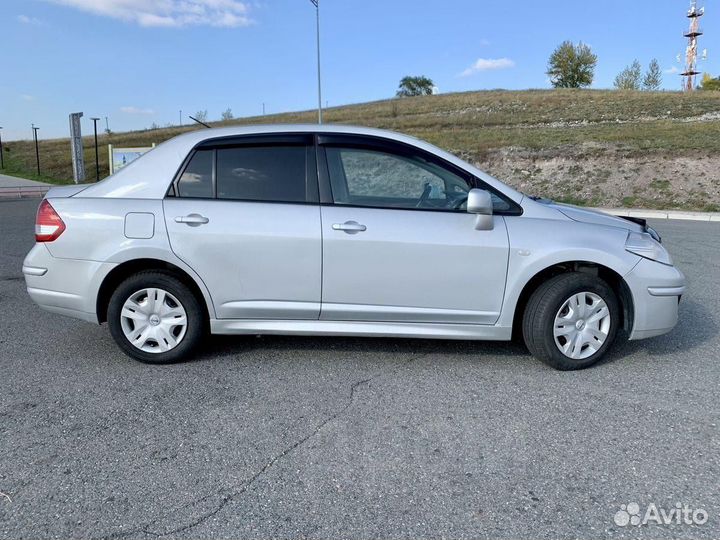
(581, 325)
(153, 320)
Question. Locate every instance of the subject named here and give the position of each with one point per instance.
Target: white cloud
(672, 71)
(27, 97)
(30, 20)
(137, 110)
(486, 64)
(167, 13)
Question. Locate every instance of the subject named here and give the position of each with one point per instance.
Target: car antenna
(198, 121)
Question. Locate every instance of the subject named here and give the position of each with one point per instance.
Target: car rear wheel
(155, 318)
(571, 320)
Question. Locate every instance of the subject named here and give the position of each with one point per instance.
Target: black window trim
(391, 146)
(306, 139)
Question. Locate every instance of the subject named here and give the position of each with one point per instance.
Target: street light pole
(37, 151)
(2, 162)
(97, 159)
(316, 3)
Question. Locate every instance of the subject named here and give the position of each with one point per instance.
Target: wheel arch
(124, 270)
(607, 274)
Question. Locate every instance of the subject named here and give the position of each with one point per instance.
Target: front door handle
(350, 227)
(192, 219)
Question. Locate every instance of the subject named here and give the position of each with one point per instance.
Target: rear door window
(262, 173)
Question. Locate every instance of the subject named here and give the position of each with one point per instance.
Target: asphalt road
(289, 437)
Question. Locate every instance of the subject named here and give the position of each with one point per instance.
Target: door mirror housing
(479, 202)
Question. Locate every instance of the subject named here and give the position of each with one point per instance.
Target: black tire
(544, 305)
(196, 320)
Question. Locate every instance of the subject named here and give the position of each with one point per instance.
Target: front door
(244, 215)
(398, 245)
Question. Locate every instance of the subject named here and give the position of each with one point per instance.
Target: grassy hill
(595, 147)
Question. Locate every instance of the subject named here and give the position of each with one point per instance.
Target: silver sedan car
(336, 230)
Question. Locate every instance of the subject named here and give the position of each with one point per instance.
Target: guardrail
(18, 192)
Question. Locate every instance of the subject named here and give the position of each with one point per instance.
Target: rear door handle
(192, 219)
(350, 227)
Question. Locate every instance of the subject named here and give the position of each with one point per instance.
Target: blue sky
(141, 61)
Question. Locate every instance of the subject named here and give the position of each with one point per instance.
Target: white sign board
(119, 157)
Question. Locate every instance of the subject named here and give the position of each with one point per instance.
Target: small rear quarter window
(196, 180)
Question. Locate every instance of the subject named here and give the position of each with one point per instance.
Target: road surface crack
(245, 485)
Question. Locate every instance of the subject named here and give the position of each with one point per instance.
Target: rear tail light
(48, 224)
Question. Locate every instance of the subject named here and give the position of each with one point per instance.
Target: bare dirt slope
(610, 178)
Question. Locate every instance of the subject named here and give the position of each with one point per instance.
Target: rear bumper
(656, 290)
(65, 286)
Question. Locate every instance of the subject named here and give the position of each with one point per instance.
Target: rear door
(244, 214)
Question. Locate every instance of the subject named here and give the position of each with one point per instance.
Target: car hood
(593, 216)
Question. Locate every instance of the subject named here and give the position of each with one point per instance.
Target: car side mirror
(479, 202)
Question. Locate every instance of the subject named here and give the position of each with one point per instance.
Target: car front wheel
(571, 320)
(155, 318)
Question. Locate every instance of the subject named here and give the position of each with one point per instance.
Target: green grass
(15, 167)
(660, 185)
(474, 125)
(629, 202)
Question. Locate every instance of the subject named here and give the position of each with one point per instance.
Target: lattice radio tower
(691, 53)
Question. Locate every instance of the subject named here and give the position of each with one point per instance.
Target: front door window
(362, 177)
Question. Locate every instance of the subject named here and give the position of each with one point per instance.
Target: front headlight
(645, 245)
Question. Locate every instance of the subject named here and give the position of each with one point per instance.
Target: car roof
(200, 135)
(149, 176)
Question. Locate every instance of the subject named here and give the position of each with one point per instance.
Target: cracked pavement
(290, 437)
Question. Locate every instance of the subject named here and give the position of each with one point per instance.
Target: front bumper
(66, 286)
(656, 290)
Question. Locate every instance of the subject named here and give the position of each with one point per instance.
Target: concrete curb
(22, 192)
(661, 214)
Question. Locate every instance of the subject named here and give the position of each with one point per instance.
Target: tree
(227, 115)
(572, 66)
(201, 115)
(708, 83)
(415, 86)
(653, 77)
(629, 78)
